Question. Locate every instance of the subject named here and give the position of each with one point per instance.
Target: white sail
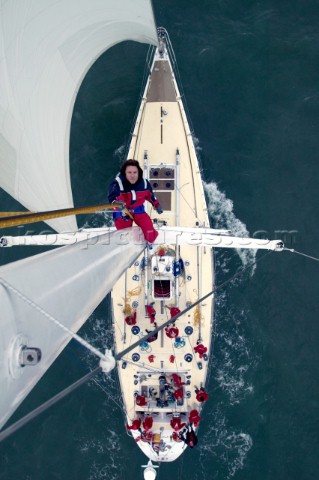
(46, 48)
(67, 283)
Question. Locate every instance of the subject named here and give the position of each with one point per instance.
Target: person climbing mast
(130, 188)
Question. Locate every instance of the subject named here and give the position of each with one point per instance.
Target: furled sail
(67, 283)
(46, 48)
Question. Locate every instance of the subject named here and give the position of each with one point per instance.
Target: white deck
(160, 130)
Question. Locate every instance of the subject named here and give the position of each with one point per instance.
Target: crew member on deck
(194, 417)
(189, 437)
(133, 190)
(179, 394)
(173, 311)
(151, 312)
(201, 394)
(136, 425)
(176, 437)
(172, 332)
(177, 380)
(140, 400)
(176, 424)
(200, 349)
(153, 337)
(131, 319)
(148, 423)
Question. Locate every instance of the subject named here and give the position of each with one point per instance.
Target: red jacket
(176, 424)
(134, 195)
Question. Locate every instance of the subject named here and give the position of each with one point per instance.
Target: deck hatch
(162, 180)
(162, 173)
(162, 288)
(163, 184)
(161, 88)
(165, 199)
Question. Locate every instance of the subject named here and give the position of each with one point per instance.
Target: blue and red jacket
(134, 196)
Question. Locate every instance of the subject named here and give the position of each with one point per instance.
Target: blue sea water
(250, 74)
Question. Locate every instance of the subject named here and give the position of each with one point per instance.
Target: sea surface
(250, 72)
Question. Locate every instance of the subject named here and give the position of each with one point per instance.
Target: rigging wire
(187, 203)
(292, 250)
(107, 393)
(142, 365)
(34, 413)
(50, 317)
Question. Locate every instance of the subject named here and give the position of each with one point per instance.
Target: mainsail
(46, 48)
(67, 284)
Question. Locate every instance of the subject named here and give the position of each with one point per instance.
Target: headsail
(46, 49)
(68, 283)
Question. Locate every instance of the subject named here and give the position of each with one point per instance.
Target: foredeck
(163, 145)
(161, 87)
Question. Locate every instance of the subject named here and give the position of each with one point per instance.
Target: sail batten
(46, 49)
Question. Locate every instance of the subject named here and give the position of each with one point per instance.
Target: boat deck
(163, 144)
(161, 87)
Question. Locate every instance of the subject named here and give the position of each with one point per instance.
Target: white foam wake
(235, 357)
(109, 458)
(221, 212)
(227, 446)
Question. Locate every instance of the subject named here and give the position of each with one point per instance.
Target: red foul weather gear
(174, 311)
(201, 395)
(194, 416)
(176, 437)
(140, 401)
(171, 332)
(131, 319)
(148, 423)
(151, 312)
(136, 425)
(179, 394)
(177, 380)
(134, 196)
(200, 349)
(176, 424)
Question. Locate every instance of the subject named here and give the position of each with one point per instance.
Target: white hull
(163, 144)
